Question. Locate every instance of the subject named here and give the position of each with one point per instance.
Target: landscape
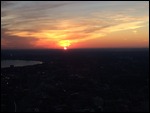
(75, 56)
(92, 80)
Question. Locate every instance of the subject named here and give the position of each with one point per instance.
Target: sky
(74, 24)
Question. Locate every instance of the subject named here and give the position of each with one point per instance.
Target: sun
(64, 43)
(65, 48)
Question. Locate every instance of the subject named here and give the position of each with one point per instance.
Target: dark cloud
(8, 41)
(3, 32)
(40, 5)
(6, 3)
(94, 29)
(29, 13)
(18, 42)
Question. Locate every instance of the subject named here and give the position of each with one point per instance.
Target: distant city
(90, 80)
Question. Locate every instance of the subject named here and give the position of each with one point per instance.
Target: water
(18, 63)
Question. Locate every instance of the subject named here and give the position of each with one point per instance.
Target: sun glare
(64, 43)
(65, 48)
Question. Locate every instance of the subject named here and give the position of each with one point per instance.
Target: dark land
(81, 80)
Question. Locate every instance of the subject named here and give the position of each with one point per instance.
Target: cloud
(76, 32)
(5, 4)
(3, 32)
(38, 23)
(17, 42)
(14, 41)
(124, 26)
(29, 12)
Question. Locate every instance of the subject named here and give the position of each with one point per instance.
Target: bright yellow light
(64, 43)
(65, 48)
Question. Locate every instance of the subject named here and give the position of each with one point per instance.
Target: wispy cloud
(17, 42)
(43, 23)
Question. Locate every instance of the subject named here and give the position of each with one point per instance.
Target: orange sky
(56, 24)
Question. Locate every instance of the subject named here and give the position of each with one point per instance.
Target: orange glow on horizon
(101, 28)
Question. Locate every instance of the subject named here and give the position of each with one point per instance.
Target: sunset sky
(74, 24)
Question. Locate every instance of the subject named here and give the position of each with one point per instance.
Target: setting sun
(65, 48)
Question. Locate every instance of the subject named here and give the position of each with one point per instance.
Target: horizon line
(70, 48)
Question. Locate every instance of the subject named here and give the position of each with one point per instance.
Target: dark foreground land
(77, 80)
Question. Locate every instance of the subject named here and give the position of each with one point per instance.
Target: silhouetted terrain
(92, 80)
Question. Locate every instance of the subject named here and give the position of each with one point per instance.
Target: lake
(18, 63)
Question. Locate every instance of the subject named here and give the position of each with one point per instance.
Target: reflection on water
(16, 63)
